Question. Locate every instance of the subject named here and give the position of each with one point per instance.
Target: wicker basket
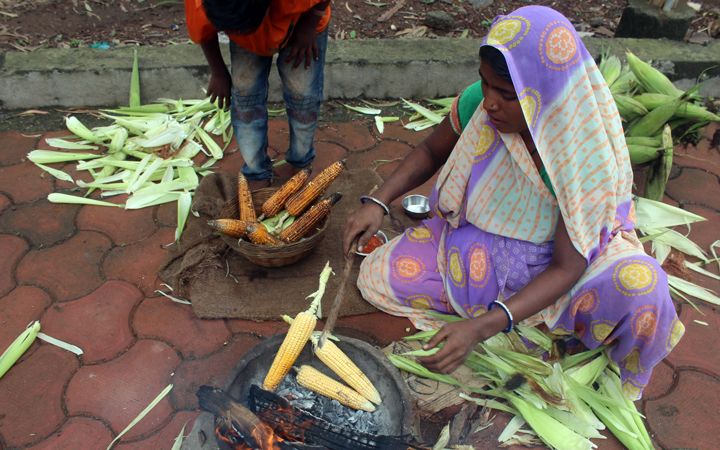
(268, 256)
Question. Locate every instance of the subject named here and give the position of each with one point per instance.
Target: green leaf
(59, 174)
(51, 156)
(69, 145)
(74, 200)
(693, 289)
(142, 414)
(183, 209)
(134, 101)
(363, 110)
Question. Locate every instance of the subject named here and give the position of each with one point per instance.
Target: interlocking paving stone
(31, 394)
(25, 182)
(18, 308)
(97, 323)
(137, 224)
(696, 187)
(42, 223)
(379, 155)
(661, 382)
(165, 436)
(68, 270)
(12, 248)
(4, 202)
(75, 434)
(687, 417)
(384, 327)
(355, 136)
(279, 134)
(119, 389)
(395, 131)
(159, 317)
(14, 146)
(692, 350)
(166, 215)
(213, 370)
(139, 262)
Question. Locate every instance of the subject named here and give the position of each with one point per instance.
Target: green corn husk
(69, 145)
(134, 101)
(628, 107)
(413, 367)
(654, 121)
(654, 214)
(641, 154)
(685, 110)
(660, 171)
(18, 347)
(610, 67)
(78, 129)
(650, 78)
(51, 157)
(655, 141)
(74, 200)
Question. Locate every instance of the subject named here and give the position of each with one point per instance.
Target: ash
(327, 409)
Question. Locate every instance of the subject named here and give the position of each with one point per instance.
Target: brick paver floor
(89, 275)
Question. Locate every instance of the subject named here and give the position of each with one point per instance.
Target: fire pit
(316, 421)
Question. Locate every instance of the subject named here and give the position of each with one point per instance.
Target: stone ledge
(363, 68)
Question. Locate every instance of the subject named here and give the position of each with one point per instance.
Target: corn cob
(295, 339)
(610, 68)
(685, 110)
(231, 227)
(311, 378)
(624, 83)
(650, 78)
(258, 234)
(660, 172)
(276, 202)
(628, 107)
(314, 189)
(640, 154)
(331, 355)
(654, 141)
(310, 219)
(654, 120)
(245, 203)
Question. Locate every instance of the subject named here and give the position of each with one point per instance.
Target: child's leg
(303, 93)
(249, 110)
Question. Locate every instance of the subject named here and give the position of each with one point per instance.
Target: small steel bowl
(416, 206)
(382, 236)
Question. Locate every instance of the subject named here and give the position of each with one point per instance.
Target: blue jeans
(302, 92)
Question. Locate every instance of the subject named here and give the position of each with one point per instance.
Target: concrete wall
(363, 68)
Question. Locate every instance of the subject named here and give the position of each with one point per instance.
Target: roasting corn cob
(258, 234)
(276, 202)
(294, 342)
(311, 378)
(245, 203)
(314, 189)
(231, 227)
(310, 219)
(331, 355)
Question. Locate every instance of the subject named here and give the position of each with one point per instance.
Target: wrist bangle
(367, 198)
(509, 315)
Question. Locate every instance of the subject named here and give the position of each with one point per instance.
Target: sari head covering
(576, 128)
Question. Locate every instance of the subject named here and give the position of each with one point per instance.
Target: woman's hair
(239, 16)
(496, 60)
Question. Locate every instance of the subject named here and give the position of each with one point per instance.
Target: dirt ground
(35, 24)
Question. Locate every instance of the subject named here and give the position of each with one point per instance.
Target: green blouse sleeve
(469, 101)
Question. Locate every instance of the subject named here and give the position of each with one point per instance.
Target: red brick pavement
(89, 274)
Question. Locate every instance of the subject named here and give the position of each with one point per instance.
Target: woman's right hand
(363, 223)
(219, 88)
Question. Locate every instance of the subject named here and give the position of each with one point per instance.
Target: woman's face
(501, 102)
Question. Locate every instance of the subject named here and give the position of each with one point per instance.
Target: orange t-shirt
(270, 36)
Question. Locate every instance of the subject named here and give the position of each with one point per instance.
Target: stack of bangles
(367, 198)
(509, 315)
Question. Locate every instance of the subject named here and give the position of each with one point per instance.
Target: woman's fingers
(438, 338)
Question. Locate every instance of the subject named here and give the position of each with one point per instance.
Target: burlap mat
(222, 284)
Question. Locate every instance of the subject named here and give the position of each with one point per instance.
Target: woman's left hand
(459, 340)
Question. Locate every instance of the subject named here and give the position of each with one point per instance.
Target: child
(258, 29)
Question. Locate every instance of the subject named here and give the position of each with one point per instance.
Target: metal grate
(298, 425)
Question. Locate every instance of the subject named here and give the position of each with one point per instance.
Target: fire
(263, 435)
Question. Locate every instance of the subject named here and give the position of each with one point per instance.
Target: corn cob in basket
(310, 219)
(314, 189)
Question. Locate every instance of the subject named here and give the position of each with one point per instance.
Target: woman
(532, 212)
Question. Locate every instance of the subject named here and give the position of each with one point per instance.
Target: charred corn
(258, 234)
(295, 339)
(314, 189)
(245, 203)
(310, 219)
(331, 355)
(231, 227)
(318, 382)
(650, 78)
(276, 202)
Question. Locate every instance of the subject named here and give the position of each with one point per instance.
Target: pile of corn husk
(564, 402)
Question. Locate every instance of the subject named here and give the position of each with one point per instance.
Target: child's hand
(302, 44)
(219, 89)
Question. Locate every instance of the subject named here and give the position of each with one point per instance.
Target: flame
(262, 434)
